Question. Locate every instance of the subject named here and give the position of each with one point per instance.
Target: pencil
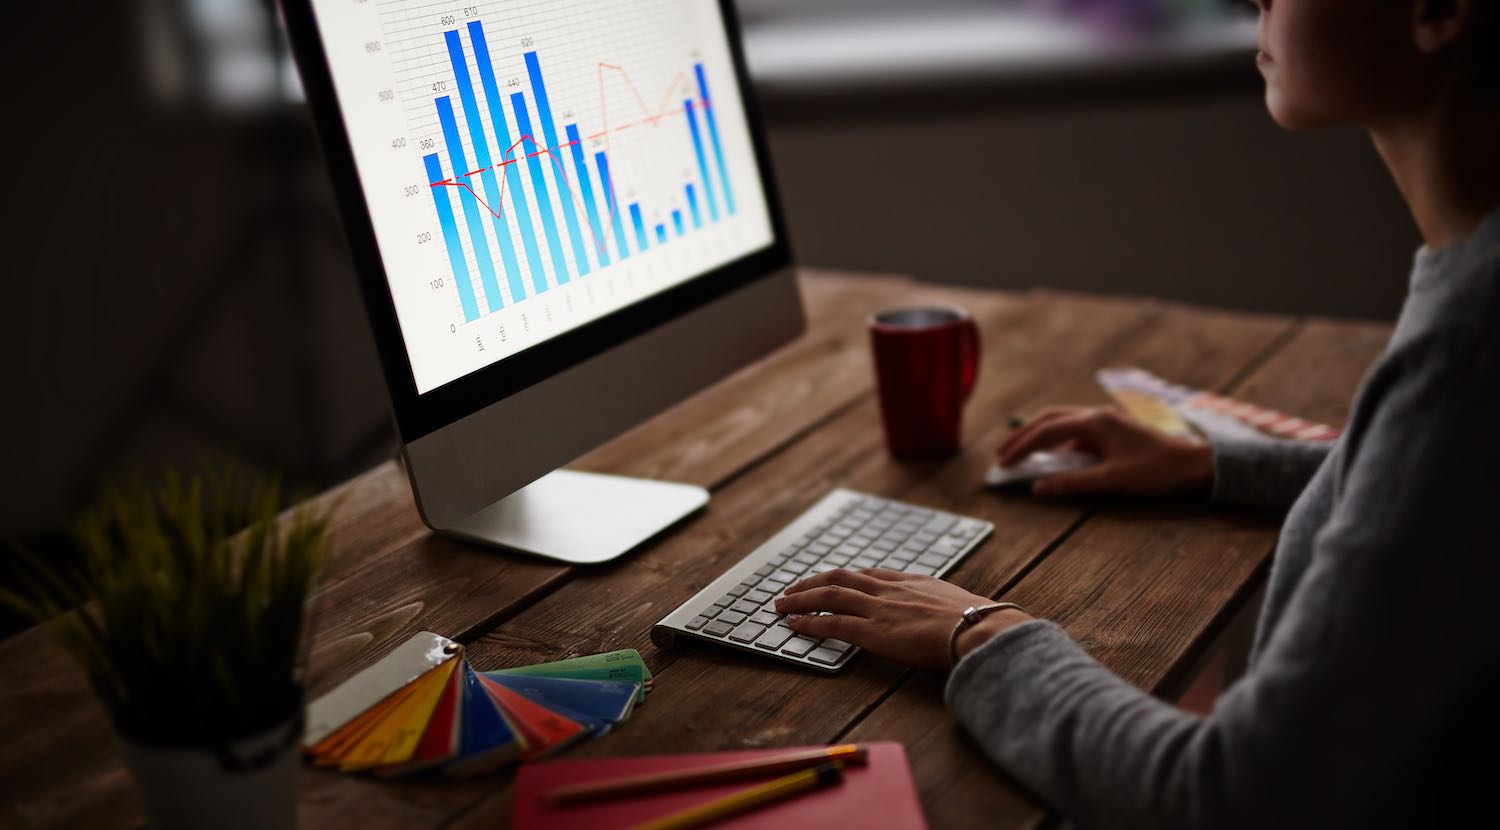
(708, 774)
(823, 775)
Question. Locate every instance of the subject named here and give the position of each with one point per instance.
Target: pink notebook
(878, 794)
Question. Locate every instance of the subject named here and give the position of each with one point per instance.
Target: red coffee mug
(926, 362)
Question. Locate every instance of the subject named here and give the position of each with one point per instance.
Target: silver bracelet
(971, 616)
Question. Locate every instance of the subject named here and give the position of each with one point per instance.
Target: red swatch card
(545, 730)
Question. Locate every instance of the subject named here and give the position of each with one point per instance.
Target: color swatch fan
(424, 707)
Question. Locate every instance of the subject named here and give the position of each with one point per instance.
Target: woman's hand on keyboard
(1134, 459)
(905, 617)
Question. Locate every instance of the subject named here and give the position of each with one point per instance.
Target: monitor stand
(581, 518)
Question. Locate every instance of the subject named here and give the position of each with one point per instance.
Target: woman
(1369, 696)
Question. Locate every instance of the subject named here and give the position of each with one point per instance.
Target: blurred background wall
(177, 283)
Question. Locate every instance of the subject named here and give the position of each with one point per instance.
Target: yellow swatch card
(410, 735)
(372, 748)
(336, 745)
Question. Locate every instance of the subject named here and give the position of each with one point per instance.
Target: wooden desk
(1145, 587)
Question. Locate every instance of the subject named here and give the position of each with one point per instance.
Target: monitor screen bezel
(417, 414)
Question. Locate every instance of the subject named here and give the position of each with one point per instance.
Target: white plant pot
(250, 783)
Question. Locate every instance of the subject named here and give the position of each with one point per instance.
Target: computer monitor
(563, 221)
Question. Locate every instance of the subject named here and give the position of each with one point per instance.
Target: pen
(707, 774)
(785, 787)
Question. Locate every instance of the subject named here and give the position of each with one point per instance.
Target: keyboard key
(923, 570)
(932, 560)
(818, 549)
(764, 618)
(902, 556)
(774, 637)
(785, 576)
(947, 547)
(739, 590)
(697, 623)
(838, 560)
(940, 524)
(732, 617)
(864, 562)
(821, 567)
(798, 646)
(718, 629)
(764, 570)
(759, 597)
(745, 607)
(849, 549)
(795, 567)
(746, 632)
(836, 645)
(727, 599)
(806, 558)
(773, 586)
(826, 656)
(883, 544)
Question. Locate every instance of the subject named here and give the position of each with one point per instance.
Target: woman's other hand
(1134, 459)
(905, 617)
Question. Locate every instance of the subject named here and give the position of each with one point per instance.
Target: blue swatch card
(486, 734)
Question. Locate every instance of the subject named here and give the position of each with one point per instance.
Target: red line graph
(541, 150)
(612, 210)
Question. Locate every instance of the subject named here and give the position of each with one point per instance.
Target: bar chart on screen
(556, 161)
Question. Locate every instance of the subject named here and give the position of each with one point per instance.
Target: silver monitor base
(581, 518)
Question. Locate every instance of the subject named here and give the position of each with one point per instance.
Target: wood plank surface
(727, 700)
(1144, 587)
(389, 577)
(768, 441)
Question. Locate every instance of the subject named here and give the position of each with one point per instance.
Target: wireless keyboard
(843, 530)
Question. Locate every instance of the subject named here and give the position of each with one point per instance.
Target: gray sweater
(1370, 699)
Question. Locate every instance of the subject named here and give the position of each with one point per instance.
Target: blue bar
(713, 134)
(555, 160)
(677, 220)
(512, 173)
(661, 232)
(586, 186)
(708, 187)
(450, 237)
(692, 197)
(482, 159)
(616, 218)
(460, 164)
(640, 229)
(532, 150)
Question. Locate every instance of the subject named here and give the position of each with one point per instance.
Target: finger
(856, 630)
(1101, 479)
(1048, 414)
(837, 576)
(834, 598)
(1081, 427)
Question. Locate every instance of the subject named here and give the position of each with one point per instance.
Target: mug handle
(969, 372)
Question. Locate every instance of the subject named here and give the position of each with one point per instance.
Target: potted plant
(186, 609)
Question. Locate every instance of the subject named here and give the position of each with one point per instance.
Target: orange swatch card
(328, 751)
